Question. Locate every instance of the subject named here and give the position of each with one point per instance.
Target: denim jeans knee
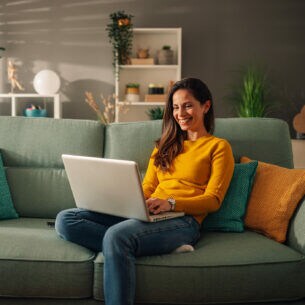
(116, 240)
(62, 223)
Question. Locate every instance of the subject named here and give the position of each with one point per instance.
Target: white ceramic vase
(132, 98)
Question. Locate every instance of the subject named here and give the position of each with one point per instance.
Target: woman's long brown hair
(171, 142)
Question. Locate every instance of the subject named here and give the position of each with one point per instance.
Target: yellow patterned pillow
(275, 195)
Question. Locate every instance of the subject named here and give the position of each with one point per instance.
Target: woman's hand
(157, 205)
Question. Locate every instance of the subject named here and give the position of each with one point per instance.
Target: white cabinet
(153, 39)
(17, 99)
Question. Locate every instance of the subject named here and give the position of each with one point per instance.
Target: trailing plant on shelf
(155, 113)
(120, 33)
(251, 96)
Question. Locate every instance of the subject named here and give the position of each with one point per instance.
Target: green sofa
(37, 267)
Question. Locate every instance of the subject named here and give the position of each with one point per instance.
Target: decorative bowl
(35, 113)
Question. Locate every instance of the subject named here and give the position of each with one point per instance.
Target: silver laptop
(109, 186)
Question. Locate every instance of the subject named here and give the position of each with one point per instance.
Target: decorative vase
(132, 98)
(165, 57)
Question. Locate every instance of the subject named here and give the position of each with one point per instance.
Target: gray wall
(219, 36)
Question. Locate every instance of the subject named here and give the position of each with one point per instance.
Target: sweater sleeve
(222, 166)
(150, 181)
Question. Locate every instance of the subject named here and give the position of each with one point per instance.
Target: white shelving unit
(14, 97)
(153, 39)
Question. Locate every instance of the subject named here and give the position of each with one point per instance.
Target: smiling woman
(189, 171)
(189, 114)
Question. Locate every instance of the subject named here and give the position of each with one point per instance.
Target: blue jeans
(121, 241)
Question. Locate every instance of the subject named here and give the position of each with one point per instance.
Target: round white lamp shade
(46, 82)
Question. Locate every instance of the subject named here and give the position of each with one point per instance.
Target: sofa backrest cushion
(31, 149)
(263, 139)
(40, 142)
(132, 141)
(39, 192)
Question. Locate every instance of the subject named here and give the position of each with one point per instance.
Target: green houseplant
(133, 88)
(155, 113)
(133, 85)
(120, 33)
(251, 96)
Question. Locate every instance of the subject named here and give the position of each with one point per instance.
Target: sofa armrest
(296, 233)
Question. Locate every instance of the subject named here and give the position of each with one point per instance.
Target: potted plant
(132, 92)
(251, 96)
(165, 56)
(120, 33)
(133, 88)
(155, 113)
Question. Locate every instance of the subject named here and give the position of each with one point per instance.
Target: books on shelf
(142, 61)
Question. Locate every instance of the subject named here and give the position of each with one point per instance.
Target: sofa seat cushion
(35, 262)
(224, 268)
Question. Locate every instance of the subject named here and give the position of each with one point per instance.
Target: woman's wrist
(172, 203)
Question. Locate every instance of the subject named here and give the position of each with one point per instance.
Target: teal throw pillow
(230, 216)
(7, 210)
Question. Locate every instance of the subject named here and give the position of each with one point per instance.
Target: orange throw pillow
(275, 195)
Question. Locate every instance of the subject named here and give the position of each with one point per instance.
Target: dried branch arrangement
(106, 115)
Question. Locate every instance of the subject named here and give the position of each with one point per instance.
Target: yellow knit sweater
(199, 180)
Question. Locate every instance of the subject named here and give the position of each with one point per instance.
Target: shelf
(14, 97)
(157, 31)
(153, 39)
(9, 95)
(149, 66)
(142, 104)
